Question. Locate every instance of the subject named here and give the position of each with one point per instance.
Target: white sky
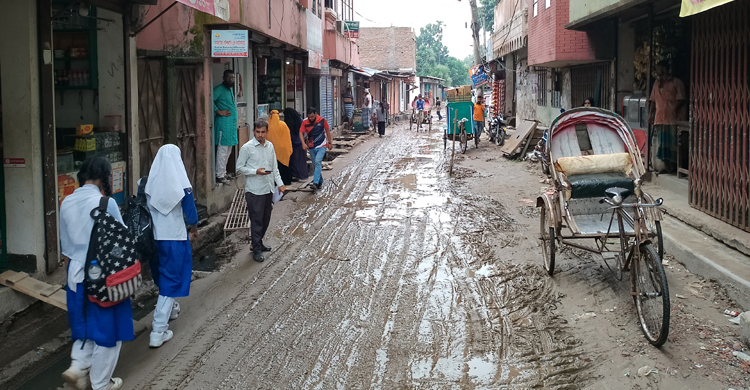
(418, 13)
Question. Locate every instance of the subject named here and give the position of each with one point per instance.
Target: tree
(487, 14)
(433, 59)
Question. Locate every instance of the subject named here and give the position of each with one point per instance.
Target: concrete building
(510, 51)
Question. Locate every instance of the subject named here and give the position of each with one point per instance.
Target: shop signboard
(478, 77)
(692, 7)
(351, 29)
(229, 43)
(218, 8)
(314, 40)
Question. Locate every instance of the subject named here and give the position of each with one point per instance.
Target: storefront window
(271, 86)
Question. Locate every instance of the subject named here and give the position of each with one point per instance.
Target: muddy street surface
(397, 276)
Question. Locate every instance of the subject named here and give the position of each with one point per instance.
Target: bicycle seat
(618, 191)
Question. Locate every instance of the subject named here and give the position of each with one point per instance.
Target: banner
(692, 7)
(478, 77)
(351, 29)
(218, 8)
(229, 43)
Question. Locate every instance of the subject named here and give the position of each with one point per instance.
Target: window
(556, 88)
(546, 4)
(541, 87)
(536, 2)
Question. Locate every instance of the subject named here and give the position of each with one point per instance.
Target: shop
(68, 78)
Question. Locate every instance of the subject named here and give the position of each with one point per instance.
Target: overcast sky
(418, 13)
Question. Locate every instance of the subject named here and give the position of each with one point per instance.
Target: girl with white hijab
(98, 331)
(170, 200)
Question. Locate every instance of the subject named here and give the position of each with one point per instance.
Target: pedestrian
(666, 108)
(225, 124)
(437, 105)
(169, 195)
(281, 139)
(348, 99)
(316, 138)
(588, 102)
(366, 109)
(258, 162)
(298, 160)
(420, 112)
(98, 332)
(479, 109)
(382, 114)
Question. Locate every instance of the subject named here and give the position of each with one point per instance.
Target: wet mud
(392, 276)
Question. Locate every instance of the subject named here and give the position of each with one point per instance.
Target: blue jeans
(478, 127)
(317, 155)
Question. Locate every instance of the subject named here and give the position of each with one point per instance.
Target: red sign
(15, 163)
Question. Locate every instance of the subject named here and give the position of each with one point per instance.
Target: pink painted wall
(337, 47)
(180, 29)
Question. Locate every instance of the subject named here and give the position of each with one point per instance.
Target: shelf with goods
(75, 51)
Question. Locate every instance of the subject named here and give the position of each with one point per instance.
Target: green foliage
(486, 11)
(433, 59)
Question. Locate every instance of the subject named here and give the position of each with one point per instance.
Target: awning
(363, 71)
(692, 7)
(218, 8)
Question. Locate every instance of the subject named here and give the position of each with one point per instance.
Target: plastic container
(65, 162)
(95, 271)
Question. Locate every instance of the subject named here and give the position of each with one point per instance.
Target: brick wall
(388, 48)
(549, 40)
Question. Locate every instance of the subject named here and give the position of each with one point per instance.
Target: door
(151, 125)
(186, 119)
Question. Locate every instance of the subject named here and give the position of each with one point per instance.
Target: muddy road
(396, 276)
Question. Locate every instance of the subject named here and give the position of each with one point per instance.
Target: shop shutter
(326, 98)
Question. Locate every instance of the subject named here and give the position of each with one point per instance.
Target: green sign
(351, 29)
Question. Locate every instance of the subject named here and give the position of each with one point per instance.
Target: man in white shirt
(257, 161)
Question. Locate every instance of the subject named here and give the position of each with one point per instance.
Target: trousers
(101, 361)
(164, 307)
(259, 209)
(317, 155)
(222, 157)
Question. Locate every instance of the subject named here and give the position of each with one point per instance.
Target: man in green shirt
(225, 124)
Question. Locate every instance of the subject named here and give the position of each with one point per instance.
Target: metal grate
(237, 219)
(591, 81)
(556, 88)
(720, 106)
(541, 86)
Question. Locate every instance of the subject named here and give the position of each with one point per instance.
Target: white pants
(162, 313)
(100, 360)
(222, 156)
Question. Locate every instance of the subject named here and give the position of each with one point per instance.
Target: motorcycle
(542, 153)
(497, 130)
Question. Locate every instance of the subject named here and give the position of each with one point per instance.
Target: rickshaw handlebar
(657, 203)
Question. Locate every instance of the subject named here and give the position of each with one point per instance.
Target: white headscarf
(167, 179)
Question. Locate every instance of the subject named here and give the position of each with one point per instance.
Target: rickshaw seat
(595, 185)
(618, 191)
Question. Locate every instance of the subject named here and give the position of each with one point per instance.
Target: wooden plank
(23, 283)
(517, 139)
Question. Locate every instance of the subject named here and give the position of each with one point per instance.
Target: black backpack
(113, 247)
(138, 220)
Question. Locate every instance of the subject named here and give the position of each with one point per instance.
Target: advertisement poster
(351, 29)
(229, 43)
(692, 7)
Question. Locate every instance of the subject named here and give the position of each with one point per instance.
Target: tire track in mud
(387, 279)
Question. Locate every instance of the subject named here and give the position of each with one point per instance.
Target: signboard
(351, 29)
(218, 8)
(229, 43)
(478, 77)
(14, 163)
(314, 40)
(314, 59)
(692, 7)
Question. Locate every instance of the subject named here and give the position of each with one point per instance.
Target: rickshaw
(426, 117)
(460, 126)
(597, 196)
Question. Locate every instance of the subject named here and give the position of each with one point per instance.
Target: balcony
(511, 36)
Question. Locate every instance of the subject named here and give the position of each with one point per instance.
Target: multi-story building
(393, 52)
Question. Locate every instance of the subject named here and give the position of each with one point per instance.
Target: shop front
(67, 78)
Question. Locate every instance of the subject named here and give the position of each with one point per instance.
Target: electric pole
(475, 31)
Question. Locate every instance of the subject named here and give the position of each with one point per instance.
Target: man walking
(257, 161)
(420, 112)
(666, 108)
(225, 124)
(348, 99)
(479, 108)
(316, 138)
(366, 109)
(437, 105)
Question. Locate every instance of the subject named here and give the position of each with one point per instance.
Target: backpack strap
(102, 208)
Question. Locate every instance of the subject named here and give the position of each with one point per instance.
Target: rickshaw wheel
(650, 291)
(429, 128)
(411, 122)
(464, 139)
(658, 241)
(547, 236)
(500, 140)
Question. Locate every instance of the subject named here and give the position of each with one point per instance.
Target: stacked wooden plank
(519, 141)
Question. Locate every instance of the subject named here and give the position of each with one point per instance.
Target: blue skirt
(103, 325)
(174, 268)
